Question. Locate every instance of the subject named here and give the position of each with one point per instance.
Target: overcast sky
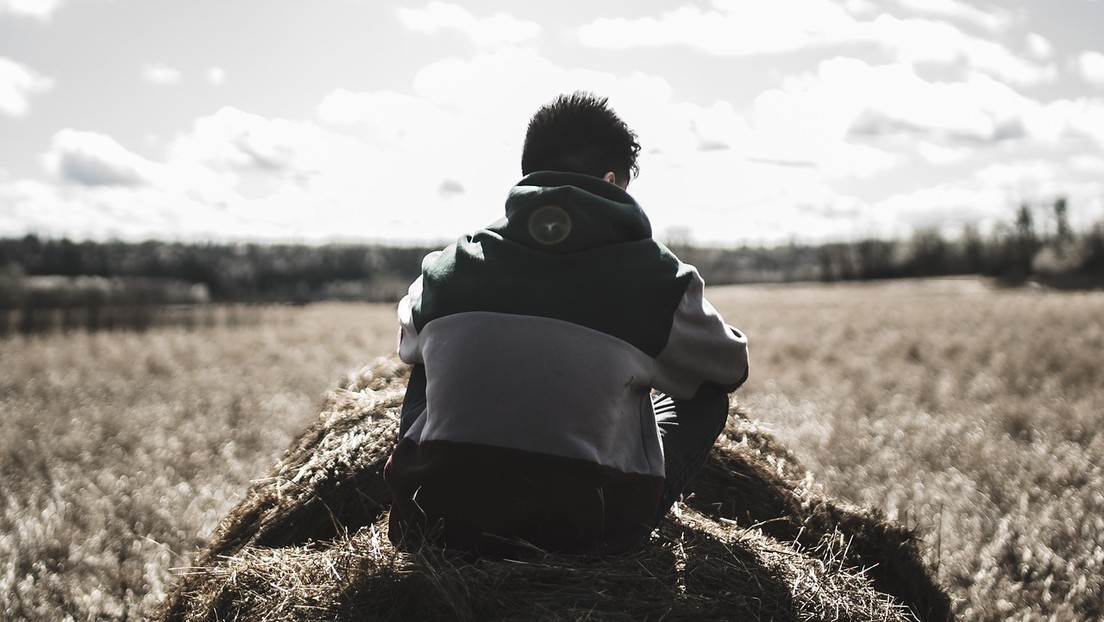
(761, 121)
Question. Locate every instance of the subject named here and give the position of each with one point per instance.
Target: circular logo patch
(549, 224)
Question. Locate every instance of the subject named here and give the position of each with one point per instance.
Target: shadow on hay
(753, 541)
(754, 480)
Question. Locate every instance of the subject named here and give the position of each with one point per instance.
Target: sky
(761, 123)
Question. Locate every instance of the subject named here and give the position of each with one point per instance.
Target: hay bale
(752, 479)
(753, 541)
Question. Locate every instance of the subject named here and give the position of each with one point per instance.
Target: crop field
(968, 412)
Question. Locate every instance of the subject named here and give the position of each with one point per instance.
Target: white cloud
(18, 83)
(39, 9)
(216, 75)
(94, 159)
(497, 29)
(387, 116)
(809, 119)
(388, 165)
(848, 97)
(120, 212)
(1076, 118)
(948, 206)
(991, 18)
(231, 139)
(729, 28)
(1039, 46)
(232, 176)
(1086, 163)
(942, 154)
(161, 74)
(1019, 176)
(1091, 64)
(478, 87)
(1040, 182)
(923, 40)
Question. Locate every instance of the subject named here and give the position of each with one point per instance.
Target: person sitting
(529, 419)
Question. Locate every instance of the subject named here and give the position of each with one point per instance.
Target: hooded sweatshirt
(542, 337)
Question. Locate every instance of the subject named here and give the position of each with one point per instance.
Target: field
(968, 412)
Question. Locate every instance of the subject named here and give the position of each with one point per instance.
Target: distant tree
(65, 258)
(875, 259)
(12, 287)
(837, 263)
(928, 253)
(1061, 219)
(1093, 263)
(1022, 246)
(972, 251)
(1025, 227)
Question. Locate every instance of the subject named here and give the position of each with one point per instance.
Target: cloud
(849, 98)
(161, 74)
(989, 196)
(497, 29)
(947, 206)
(94, 159)
(729, 28)
(1039, 46)
(464, 124)
(990, 18)
(427, 165)
(477, 86)
(942, 154)
(1076, 118)
(1038, 182)
(449, 188)
(387, 116)
(216, 75)
(1091, 66)
(240, 141)
(271, 177)
(1088, 164)
(18, 83)
(927, 41)
(233, 175)
(39, 9)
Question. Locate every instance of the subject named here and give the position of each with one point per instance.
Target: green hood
(569, 212)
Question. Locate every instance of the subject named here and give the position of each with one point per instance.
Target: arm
(703, 354)
(409, 348)
(409, 352)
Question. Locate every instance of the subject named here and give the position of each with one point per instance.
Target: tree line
(91, 282)
(60, 284)
(1037, 244)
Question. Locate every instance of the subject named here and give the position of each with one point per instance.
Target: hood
(570, 212)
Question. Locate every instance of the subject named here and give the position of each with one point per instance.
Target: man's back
(542, 338)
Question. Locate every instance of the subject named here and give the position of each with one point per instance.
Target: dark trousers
(687, 428)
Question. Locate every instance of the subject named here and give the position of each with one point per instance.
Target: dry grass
(120, 452)
(968, 413)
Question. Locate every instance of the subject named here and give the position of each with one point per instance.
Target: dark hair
(578, 133)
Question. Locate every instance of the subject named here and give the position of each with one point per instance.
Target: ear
(612, 178)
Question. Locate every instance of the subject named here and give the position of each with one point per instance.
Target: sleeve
(409, 348)
(409, 352)
(701, 349)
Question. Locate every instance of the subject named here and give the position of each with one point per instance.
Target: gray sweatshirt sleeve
(701, 348)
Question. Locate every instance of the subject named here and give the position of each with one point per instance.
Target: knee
(712, 403)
